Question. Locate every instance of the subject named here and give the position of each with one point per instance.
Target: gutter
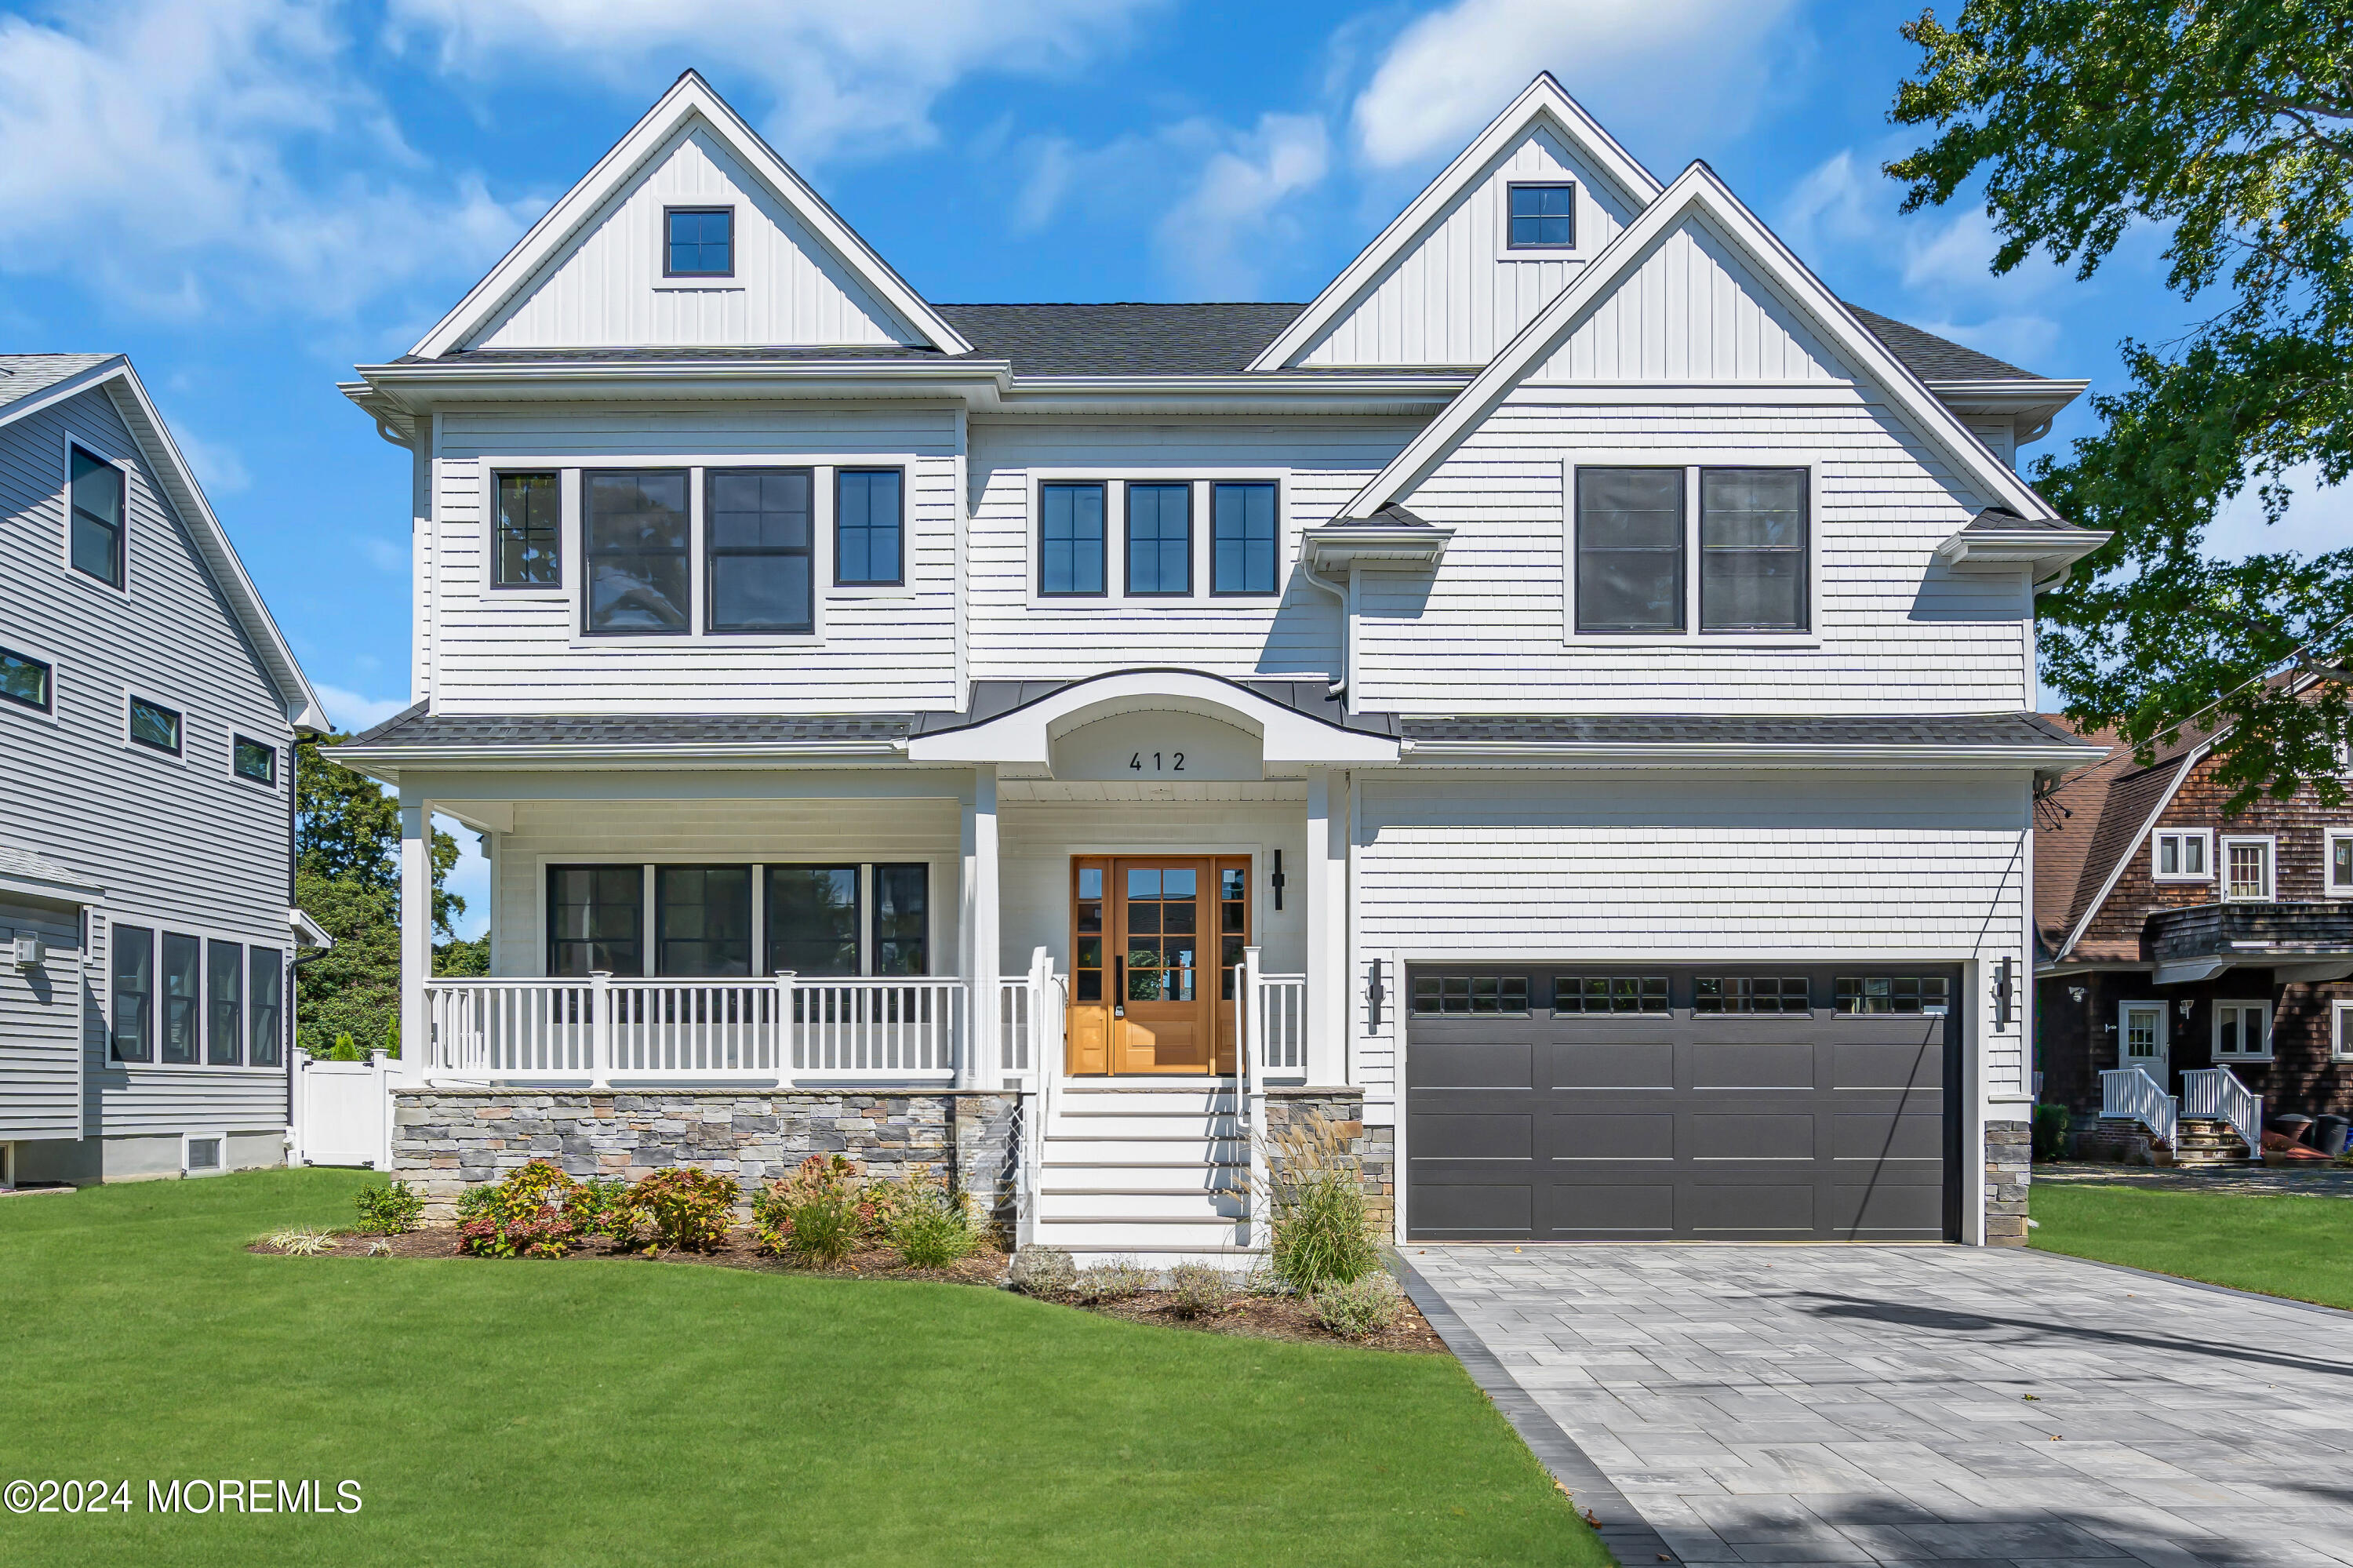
(1733, 754)
(384, 762)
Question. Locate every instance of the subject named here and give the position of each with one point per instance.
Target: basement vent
(204, 1154)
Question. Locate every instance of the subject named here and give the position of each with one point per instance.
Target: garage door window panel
(1751, 995)
(1492, 996)
(1609, 993)
(1928, 995)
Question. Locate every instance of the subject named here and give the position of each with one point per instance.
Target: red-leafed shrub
(683, 1209)
(526, 1216)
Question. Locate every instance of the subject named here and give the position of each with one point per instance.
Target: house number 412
(1162, 762)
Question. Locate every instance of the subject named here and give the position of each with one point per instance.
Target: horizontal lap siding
(715, 832)
(1486, 867)
(1327, 460)
(501, 654)
(177, 843)
(40, 1025)
(1485, 633)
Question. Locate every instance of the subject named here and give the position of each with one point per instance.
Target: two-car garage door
(1759, 1102)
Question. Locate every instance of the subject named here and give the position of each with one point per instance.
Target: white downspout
(1345, 596)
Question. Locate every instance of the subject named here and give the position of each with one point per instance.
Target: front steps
(1159, 1172)
(2208, 1143)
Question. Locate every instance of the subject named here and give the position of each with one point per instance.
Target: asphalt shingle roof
(1934, 358)
(416, 726)
(1733, 729)
(23, 375)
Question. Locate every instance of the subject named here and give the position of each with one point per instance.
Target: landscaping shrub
(2053, 1133)
(1113, 1279)
(600, 1207)
(1361, 1307)
(934, 1234)
(1199, 1291)
(1321, 1231)
(388, 1211)
(683, 1209)
(882, 1205)
(526, 1216)
(813, 1215)
(301, 1242)
(1042, 1271)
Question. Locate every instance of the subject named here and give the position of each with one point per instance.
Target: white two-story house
(1557, 703)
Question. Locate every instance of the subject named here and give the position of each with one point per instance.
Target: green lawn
(630, 1412)
(2296, 1246)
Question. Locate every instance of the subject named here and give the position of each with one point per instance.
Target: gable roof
(2089, 827)
(51, 378)
(1934, 358)
(1544, 102)
(689, 98)
(1697, 192)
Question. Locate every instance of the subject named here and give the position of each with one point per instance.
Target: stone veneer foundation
(1374, 1148)
(446, 1139)
(2009, 1170)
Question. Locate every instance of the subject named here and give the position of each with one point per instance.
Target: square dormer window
(700, 242)
(1542, 216)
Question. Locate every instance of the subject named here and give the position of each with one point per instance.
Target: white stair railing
(2129, 1094)
(2217, 1094)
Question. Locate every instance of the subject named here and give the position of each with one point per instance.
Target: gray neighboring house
(148, 713)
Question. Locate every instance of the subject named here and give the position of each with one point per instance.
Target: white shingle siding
(1452, 298)
(609, 287)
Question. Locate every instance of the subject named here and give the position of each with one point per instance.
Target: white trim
(1690, 461)
(1698, 194)
(1115, 479)
(2242, 1004)
(2269, 842)
(2116, 873)
(50, 715)
(567, 514)
(2163, 1059)
(129, 470)
(218, 1139)
(1583, 210)
(278, 760)
(173, 705)
(2203, 837)
(205, 935)
(2329, 887)
(687, 99)
(2340, 1029)
(1026, 732)
(1543, 103)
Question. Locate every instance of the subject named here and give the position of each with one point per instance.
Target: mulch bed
(1250, 1316)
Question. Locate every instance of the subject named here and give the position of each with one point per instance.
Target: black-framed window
(181, 1015)
(1609, 993)
(1436, 996)
(759, 528)
(869, 504)
(1159, 539)
(636, 532)
(224, 1003)
(596, 920)
(1926, 995)
(24, 680)
(903, 919)
(702, 919)
(265, 1007)
(253, 760)
(699, 242)
(132, 1037)
(1242, 535)
(97, 526)
(1751, 993)
(1542, 216)
(1629, 549)
(153, 723)
(1753, 549)
(528, 549)
(1071, 539)
(812, 917)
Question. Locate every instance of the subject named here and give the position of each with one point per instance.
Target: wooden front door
(1154, 945)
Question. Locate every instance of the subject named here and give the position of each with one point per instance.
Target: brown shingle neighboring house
(2232, 935)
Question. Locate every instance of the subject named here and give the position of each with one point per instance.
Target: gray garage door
(1729, 1103)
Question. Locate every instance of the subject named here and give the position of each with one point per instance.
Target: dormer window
(701, 242)
(1542, 216)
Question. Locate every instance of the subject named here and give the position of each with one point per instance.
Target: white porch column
(977, 925)
(415, 930)
(1327, 927)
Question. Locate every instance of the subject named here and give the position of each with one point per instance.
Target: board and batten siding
(1014, 635)
(1455, 296)
(878, 649)
(41, 1025)
(608, 287)
(1487, 867)
(1487, 632)
(179, 844)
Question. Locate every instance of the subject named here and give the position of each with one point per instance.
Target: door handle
(1119, 985)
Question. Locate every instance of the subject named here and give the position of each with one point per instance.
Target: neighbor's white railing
(2217, 1092)
(2129, 1094)
(776, 1028)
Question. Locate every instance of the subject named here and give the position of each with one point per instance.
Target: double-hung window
(1660, 551)
(868, 508)
(97, 498)
(182, 998)
(223, 1003)
(132, 1035)
(596, 920)
(2242, 1029)
(1070, 543)
(702, 919)
(2247, 869)
(636, 527)
(2182, 854)
(1243, 533)
(528, 552)
(1159, 542)
(265, 1032)
(759, 526)
(24, 680)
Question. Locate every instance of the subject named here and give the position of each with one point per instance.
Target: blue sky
(250, 195)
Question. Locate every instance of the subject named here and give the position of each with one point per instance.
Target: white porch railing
(1274, 1049)
(2217, 1092)
(2129, 1094)
(776, 1029)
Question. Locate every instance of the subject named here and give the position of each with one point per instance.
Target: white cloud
(2318, 520)
(170, 153)
(2020, 340)
(1675, 65)
(219, 468)
(860, 77)
(384, 554)
(469, 879)
(1234, 212)
(351, 712)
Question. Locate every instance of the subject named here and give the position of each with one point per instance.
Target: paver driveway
(1869, 1404)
